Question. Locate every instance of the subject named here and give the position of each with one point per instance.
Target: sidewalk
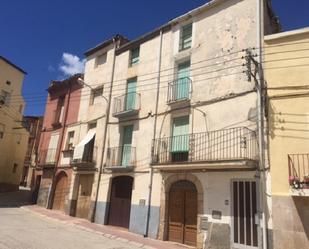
(107, 231)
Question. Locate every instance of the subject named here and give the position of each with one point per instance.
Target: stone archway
(165, 189)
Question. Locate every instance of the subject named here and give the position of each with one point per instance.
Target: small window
(100, 59)
(185, 38)
(96, 95)
(21, 108)
(8, 82)
(5, 98)
(134, 57)
(92, 125)
(70, 140)
(15, 166)
(2, 127)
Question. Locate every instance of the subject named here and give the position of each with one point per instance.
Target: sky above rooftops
(48, 38)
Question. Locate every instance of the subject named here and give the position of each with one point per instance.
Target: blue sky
(35, 34)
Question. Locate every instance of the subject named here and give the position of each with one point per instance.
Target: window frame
(99, 90)
(182, 38)
(134, 60)
(68, 143)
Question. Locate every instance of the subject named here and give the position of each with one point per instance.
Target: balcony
(126, 105)
(88, 160)
(299, 174)
(47, 158)
(121, 158)
(234, 148)
(179, 91)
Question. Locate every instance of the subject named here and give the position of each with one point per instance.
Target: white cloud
(71, 64)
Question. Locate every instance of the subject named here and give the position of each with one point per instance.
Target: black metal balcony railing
(127, 103)
(299, 170)
(89, 156)
(229, 144)
(123, 156)
(47, 156)
(179, 89)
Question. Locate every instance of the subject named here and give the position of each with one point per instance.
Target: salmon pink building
(54, 170)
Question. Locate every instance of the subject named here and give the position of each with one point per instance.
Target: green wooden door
(180, 138)
(131, 95)
(126, 145)
(183, 81)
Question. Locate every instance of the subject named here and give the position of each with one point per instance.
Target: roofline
(167, 26)
(33, 117)
(13, 65)
(287, 34)
(105, 44)
(56, 84)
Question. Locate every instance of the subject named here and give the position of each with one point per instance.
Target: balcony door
(52, 148)
(182, 83)
(126, 145)
(131, 94)
(180, 139)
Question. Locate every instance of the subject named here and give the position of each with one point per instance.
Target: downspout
(154, 135)
(107, 112)
(262, 185)
(51, 192)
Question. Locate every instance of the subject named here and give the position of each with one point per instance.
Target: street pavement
(27, 226)
(20, 229)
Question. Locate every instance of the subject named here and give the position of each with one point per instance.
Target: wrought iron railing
(299, 170)
(228, 144)
(126, 103)
(122, 156)
(47, 156)
(89, 156)
(179, 89)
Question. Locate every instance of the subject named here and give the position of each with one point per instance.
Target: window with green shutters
(180, 138)
(131, 94)
(126, 145)
(182, 88)
(134, 57)
(185, 39)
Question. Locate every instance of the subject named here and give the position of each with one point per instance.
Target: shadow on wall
(15, 199)
(302, 207)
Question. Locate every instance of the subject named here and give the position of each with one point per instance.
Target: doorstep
(107, 231)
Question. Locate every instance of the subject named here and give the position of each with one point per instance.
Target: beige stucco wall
(287, 59)
(286, 66)
(13, 145)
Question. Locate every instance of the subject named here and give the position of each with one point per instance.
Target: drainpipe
(51, 191)
(154, 135)
(93, 211)
(262, 185)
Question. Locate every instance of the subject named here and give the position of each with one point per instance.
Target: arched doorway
(61, 192)
(120, 201)
(182, 213)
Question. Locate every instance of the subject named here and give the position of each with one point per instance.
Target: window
(59, 112)
(185, 38)
(100, 59)
(5, 98)
(2, 127)
(70, 140)
(8, 82)
(180, 139)
(15, 165)
(21, 108)
(134, 57)
(96, 95)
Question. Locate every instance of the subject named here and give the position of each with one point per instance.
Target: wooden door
(61, 192)
(244, 210)
(84, 196)
(182, 227)
(120, 202)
